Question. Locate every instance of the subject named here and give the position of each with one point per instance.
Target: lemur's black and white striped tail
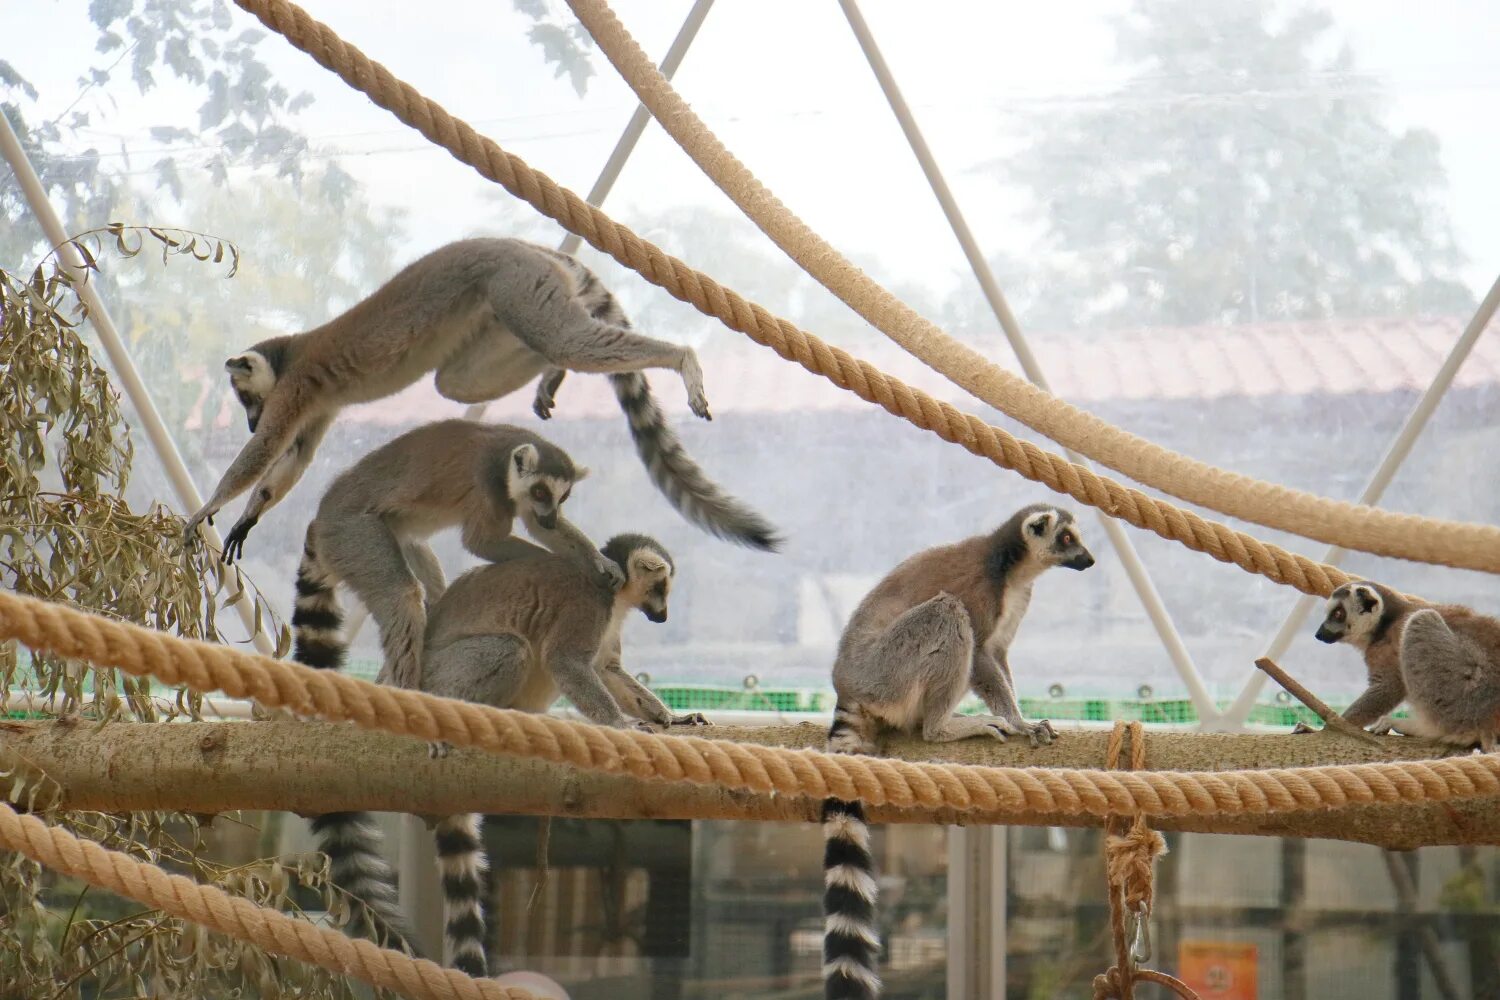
(851, 935)
(317, 621)
(351, 840)
(461, 861)
(355, 864)
(679, 478)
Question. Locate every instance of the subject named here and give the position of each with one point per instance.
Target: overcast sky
(788, 91)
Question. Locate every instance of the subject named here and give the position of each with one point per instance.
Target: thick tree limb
(313, 767)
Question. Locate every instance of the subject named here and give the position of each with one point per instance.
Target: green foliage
(1241, 174)
(66, 535)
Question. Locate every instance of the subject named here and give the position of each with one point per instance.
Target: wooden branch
(1331, 719)
(314, 767)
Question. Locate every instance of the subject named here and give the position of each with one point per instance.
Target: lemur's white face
(1052, 538)
(252, 379)
(540, 492)
(648, 581)
(1352, 614)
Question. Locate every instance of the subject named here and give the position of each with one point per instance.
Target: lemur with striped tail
(370, 534)
(938, 625)
(486, 316)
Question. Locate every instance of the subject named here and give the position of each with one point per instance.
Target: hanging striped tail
(461, 860)
(851, 937)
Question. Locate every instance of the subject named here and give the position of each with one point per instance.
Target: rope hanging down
(786, 339)
(1130, 853)
(997, 791)
(270, 930)
(1352, 526)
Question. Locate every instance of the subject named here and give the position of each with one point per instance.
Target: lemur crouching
(515, 635)
(938, 625)
(1443, 660)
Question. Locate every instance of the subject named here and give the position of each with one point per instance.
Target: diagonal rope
(206, 667)
(270, 930)
(863, 379)
(1271, 505)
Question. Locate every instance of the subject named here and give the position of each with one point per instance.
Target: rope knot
(1109, 985)
(1130, 860)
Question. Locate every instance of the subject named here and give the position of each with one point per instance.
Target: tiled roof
(1293, 359)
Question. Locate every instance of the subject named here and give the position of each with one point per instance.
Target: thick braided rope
(1368, 529)
(267, 929)
(842, 369)
(995, 791)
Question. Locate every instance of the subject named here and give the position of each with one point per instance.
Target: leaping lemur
(939, 624)
(486, 316)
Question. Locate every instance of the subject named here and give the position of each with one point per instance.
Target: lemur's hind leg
(426, 568)
(482, 669)
(557, 326)
(366, 554)
(493, 364)
(1448, 673)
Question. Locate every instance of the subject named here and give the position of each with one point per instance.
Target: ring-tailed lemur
(514, 635)
(487, 316)
(1443, 660)
(372, 524)
(939, 624)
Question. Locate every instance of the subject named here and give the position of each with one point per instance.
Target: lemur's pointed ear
(1039, 523)
(580, 473)
(1368, 598)
(524, 459)
(240, 363)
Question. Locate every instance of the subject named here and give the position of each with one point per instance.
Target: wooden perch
(313, 767)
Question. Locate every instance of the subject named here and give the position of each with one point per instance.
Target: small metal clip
(1140, 950)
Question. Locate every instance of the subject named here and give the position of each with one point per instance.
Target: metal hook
(1140, 950)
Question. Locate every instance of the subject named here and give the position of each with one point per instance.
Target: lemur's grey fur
(1443, 660)
(938, 625)
(486, 316)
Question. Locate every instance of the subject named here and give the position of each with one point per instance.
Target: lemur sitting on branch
(940, 624)
(1443, 660)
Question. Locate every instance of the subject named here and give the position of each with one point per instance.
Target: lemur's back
(526, 596)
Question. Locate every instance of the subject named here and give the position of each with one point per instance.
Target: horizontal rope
(787, 340)
(270, 930)
(1353, 526)
(329, 695)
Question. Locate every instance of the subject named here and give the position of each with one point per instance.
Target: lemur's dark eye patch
(1066, 538)
(539, 494)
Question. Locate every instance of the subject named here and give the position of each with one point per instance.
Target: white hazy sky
(785, 86)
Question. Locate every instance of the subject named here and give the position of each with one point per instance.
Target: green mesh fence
(728, 698)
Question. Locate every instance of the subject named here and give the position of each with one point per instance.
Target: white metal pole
(1235, 716)
(125, 370)
(1140, 579)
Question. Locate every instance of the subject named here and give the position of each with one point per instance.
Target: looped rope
(1130, 855)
